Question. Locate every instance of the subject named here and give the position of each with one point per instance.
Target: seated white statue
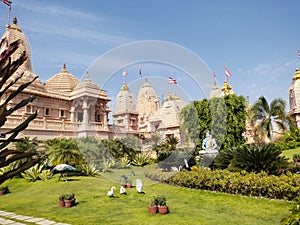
(209, 145)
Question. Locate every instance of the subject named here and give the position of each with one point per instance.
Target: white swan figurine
(122, 190)
(111, 192)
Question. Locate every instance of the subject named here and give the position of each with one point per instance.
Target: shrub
(252, 159)
(294, 217)
(249, 184)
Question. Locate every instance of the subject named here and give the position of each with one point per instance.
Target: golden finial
(297, 74)
(124, 87)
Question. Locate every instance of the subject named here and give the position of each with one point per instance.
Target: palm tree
(171, 142)
(64, 151)
(268, 115)
(155, 138)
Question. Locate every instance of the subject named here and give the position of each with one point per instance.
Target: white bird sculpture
(122, 190)
(111, 192)
(139, 186)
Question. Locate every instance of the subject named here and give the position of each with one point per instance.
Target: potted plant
(61, 200)
(162, 204)
(69, 200)
(152, 208)
(3, 190)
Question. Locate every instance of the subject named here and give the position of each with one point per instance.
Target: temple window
(28, 108)
(62, 113)
(47, 111)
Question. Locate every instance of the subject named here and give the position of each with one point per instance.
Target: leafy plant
(90, 169)
(61, 197)
(140, 159)
(44, 175)
(124, 162)
(252, 159)
(69, 196)
(32, 174)
(161, 200)
(154, 201)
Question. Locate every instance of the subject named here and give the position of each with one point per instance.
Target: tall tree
(7, 80)
(268, 115)
(225, 117)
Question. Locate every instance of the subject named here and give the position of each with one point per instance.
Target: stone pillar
(85, 107)
(72, 116)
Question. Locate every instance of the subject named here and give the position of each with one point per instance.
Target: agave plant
(140, 160)
(90, 169)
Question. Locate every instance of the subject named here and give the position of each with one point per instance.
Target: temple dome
(124, 101)
(64, 81)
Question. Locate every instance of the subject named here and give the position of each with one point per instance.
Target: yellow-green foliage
(250, 184)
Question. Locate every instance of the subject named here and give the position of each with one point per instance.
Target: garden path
(14, 219)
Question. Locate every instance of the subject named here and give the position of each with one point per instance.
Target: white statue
(209, 145)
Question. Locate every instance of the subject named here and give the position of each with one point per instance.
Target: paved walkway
(14, 219)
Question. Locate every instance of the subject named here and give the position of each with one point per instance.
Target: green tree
(7, 69)
(268, 115)
(225, 117)
(64, 151)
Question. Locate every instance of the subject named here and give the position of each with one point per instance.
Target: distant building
(294, 97)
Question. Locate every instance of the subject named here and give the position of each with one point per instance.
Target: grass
(289, 153)
(187, 206)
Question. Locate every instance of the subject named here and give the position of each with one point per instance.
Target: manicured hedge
(249, 184)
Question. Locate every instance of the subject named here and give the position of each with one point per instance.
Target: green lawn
(289, 153)
(39, 199)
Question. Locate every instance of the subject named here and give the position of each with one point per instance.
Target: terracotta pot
(152, 209)
(68, 203)
(2, 192)
(129, 185)
(163, 209)
(61, 203)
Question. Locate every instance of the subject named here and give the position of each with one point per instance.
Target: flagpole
(8, 15)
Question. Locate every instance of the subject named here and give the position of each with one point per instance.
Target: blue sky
(257, 40)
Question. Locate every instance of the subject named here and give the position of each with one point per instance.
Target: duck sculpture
(111, 192)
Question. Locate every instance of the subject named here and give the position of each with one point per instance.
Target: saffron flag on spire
(124, 73)
(214, 74)
(227, 72)
(172, 81)
(6, 2)
(298, 52)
